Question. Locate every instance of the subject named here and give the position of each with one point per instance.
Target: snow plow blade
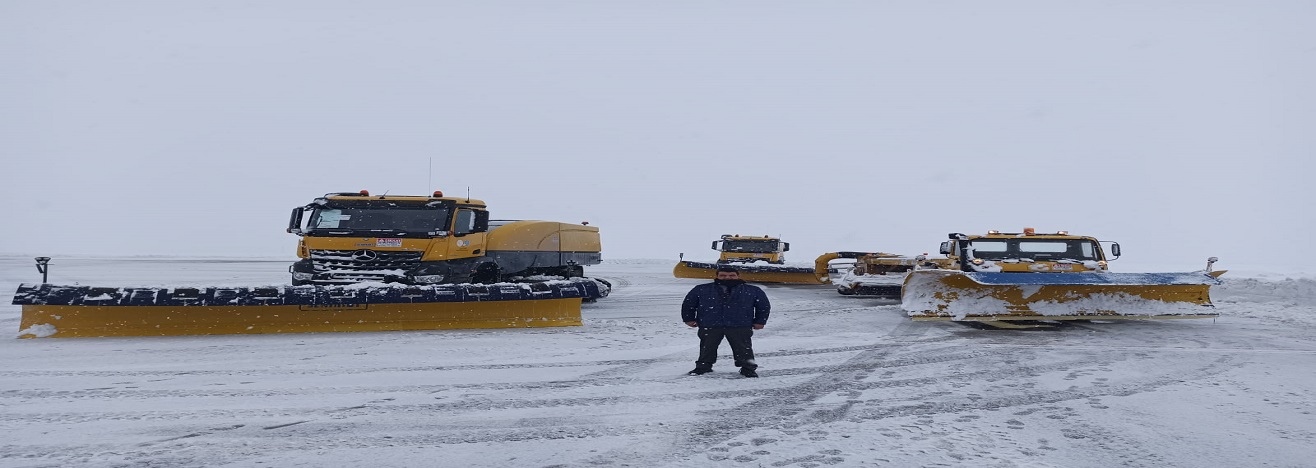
(995, 297)
(757, 273)
(752, 273)
(84, 311)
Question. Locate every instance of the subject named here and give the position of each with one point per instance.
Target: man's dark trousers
(739, 339)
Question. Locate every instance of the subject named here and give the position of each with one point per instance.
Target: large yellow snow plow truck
(760, 260)
(428, 249)
(1001, 278)
(357, 237)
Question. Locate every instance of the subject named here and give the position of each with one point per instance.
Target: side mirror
(482, 221)
(786, 247)
(43, 264)
(295, 222)
(1115, 249)
(714, 247)
(945, 248)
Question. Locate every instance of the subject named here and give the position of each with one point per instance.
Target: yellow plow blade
(82, 311)
(990, 297)
(83, 321)
(753, 273)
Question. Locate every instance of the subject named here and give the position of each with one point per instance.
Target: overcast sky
(1180, 129)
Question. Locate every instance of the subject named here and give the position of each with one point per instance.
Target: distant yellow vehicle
(745, 249)
(1002, 277)
(759, 259)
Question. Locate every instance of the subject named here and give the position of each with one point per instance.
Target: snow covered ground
(845, 381)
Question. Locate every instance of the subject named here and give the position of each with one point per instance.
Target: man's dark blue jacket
(745, 306)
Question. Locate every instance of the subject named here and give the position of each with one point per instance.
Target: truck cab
(1026, 251)
(352, 237)
(745, 249)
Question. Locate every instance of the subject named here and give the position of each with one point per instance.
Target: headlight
(977, 261)
(428, 279)
(303, 276)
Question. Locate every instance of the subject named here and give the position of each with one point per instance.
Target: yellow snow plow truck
(357, 237)
(1003, 278)
(761, 260)
(430, 248)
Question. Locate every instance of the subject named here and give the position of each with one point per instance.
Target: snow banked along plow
(999, 278)
(84, 311)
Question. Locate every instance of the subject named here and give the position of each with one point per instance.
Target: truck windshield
(750, 246)
(420, 220)
(1035, 249)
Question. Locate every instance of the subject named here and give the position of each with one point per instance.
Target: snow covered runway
(845, 382)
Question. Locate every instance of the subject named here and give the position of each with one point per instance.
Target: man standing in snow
(729, 308)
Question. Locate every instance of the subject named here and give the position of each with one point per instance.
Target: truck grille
(340, 266)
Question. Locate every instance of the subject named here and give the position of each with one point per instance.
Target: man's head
(727, 272)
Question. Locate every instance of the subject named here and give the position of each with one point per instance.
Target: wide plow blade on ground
(752, 273)
(85, 311)
(998, 297)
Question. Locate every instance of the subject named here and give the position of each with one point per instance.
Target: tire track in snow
(837, 385)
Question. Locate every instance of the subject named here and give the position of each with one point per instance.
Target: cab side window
(465, 223)
(469, 221)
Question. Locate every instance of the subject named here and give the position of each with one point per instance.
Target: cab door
(470, 227)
